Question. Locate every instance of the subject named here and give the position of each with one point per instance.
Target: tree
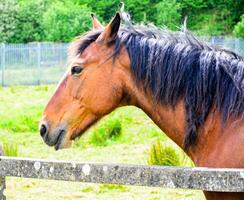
(239, 28)
(29, 25)
(65, 20)
(8, 19)
(24, 21)
(105, 9)
(138, 9)
(168, 14)
(212, 17)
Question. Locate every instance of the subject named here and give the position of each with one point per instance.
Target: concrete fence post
(2, 62)
(2, 188)
(2, 180)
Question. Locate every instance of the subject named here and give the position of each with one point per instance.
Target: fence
(32, 64)
(44, 63)
(207, 179)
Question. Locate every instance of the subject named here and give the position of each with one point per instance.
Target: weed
(106, 132)
(12, 89)
(106, 187)
(41, 88)
(88, 189)
(10, 149)
(162, 154)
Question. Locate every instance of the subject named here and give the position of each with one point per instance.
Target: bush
(239, 28)
(63, 21)
(161, 154)
(106, 132)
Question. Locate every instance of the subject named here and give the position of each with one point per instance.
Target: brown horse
(194, 92)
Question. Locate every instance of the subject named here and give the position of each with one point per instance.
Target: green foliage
(191, 5)
(8, 19)
(10, 149)
(106, 132)
(137, 10)
(65, 20)
(107, 9)
(208, 23)
(104, 9)
(61, 20)
(239, 28)
(161, 154)
(211, 17)
(168, 13)
(29, 24)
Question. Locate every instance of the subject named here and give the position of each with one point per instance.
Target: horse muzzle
(55, 137)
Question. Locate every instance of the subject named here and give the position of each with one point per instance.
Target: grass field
(29, 75)
(20, 111)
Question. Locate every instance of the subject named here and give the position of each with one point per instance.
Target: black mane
(176, 65)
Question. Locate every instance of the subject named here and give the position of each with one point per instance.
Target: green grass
(107, 132)
(21, 107)
(18, 75)
(163, 153)
(10, 149)
(129, 135)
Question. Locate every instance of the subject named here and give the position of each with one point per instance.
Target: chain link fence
(45, 63)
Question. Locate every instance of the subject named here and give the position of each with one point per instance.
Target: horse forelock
(176, 65)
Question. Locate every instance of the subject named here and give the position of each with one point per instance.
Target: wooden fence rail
(208, 179)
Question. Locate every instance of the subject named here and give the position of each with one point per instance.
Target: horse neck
(170, 119)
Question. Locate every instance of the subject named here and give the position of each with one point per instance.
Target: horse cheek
(105, 100)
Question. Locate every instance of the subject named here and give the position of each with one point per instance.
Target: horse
(192, 90)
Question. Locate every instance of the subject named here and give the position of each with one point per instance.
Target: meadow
(127, 136)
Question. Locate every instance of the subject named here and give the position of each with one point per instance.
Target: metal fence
(44, 63)
(32, 64)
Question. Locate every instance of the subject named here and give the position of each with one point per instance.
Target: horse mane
(177, 65)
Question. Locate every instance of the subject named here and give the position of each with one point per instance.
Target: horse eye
(76, 70)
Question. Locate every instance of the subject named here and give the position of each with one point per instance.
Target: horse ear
(110, 31)
(96, 25)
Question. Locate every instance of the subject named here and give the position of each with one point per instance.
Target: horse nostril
(43, 130)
